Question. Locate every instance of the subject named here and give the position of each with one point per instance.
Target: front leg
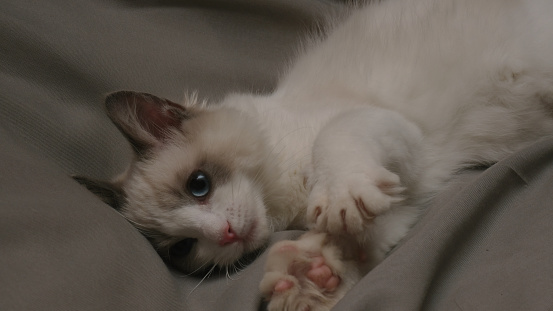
(363, 164)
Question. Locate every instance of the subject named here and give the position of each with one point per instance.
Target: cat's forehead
(223, 136)
(221, 141)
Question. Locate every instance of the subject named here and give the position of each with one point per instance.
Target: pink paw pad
(321, 275)
(282, 286)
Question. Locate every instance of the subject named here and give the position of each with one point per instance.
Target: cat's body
(367, 125)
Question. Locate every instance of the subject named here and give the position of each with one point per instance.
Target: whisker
(191, 273)
(227, 274)
(206, 276)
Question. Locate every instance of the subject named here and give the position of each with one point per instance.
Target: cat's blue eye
(199, 185)
(182, 248)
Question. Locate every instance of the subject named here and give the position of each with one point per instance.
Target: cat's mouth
(247, 237)
(248, 245)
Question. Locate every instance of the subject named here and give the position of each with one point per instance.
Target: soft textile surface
(486, 243)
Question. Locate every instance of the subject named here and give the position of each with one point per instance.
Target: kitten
(364, 129)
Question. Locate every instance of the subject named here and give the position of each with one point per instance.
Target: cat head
(198, 184)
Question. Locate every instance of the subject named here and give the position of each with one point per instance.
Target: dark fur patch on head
(106, 191)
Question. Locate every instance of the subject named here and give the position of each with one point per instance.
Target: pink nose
(228, 236)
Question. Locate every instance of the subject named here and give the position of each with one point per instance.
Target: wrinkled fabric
(485, 244)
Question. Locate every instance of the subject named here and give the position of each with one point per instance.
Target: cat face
(197, 187)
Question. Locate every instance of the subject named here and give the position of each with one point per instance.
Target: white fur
(400, 97)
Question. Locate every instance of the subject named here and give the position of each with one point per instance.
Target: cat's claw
(304, 275)
(348, 203)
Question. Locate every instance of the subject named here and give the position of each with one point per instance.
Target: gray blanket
(485, 244)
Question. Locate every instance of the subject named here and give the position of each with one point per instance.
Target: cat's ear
(146, 120)
(108, 192)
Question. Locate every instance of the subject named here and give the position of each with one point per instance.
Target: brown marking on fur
(133, 112)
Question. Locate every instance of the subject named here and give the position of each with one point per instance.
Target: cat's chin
(253, 240)
(246, 257)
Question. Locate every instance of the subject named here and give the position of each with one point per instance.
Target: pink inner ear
(142, 116)
(158, 115)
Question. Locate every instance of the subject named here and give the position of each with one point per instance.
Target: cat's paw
(346, 203)
(308, 274)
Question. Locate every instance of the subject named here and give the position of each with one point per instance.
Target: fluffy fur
(366, 126)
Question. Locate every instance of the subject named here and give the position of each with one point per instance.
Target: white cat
(367, 125)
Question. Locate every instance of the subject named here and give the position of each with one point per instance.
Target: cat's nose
(228, 236)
